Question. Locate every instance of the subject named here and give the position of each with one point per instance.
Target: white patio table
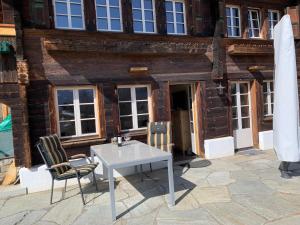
(132, 153)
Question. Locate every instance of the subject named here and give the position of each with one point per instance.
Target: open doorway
(182, 122)
(6, 135)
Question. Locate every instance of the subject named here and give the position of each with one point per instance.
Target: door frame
(197, 105)
(254, 100)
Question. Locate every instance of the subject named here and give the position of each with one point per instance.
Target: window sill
(135, 133)
(268, 119)
(82, 141)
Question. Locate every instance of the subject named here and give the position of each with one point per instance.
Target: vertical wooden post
(244, 20)
(254, 90)
(197, 91)
(264, 24)
(4, 111)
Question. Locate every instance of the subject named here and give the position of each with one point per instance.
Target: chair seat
(83, 171)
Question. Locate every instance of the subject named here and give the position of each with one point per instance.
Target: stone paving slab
(245, 189)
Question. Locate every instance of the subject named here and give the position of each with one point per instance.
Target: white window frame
(174, 17)
(143, 18)
(109, 18)
(269, 98)
(231, 19)
(133, 101)
(271, 21)
(69, 14)
(250, 25)
(76, 104)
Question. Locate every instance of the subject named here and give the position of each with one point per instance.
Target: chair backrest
(160, 135)
(53, 153)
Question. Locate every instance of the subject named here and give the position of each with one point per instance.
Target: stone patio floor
(245, 189)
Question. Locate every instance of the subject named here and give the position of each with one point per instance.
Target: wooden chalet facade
(106, 67)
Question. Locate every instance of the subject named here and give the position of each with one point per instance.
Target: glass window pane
(137, 14)
(265, 87)
(169, 6)
(234, 112)
(235, 124)
(243, 88)
(233, 89)
(61, 8)
(86, 96)
(66, 113)
(65, 97)
(170, 28)
(114, 12)
(124, 94)
(142, 107)
(148, 4)
(67, 129)
(179, 7)
(235, 12)
(141, 93)
(136, 3)
(179, 18)
(149, 26)
(170, 17)
(62, 21)
(88, 126)
(87, 111)
(126, 123)
(180, 28)
(245, 111)
(227, 12)
(143, 121)
(148, 15)
(233, 100)
(115, 24)
(266, 109)
(114, 2)
(102, 24)
(77, 22)
(76, 9)
(138, 26)
(236, 22)
(101, 2)
(245, 123)
(125, 108)
(244, 100)
(101, 11)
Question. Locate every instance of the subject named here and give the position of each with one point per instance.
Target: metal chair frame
(51, 168)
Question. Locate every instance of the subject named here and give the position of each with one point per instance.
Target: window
(175, 13)
(76, 111)
(273, 16)
(133, 107)
(143, 16)
(268, 91)
(233, 21)
(254, 23)
(69, 14)
(108, 15)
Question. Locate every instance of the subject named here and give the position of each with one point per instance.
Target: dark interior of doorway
(181, 130)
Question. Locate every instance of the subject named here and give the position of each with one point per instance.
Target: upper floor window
(175, 13)
(76, 109)
(108, 15)
(268, 91)
(143, 12)
(69, 14)
(274, 17)
(254, 23)
(233, 21)
(133, 107)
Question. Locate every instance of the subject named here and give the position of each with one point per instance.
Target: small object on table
(119, 141)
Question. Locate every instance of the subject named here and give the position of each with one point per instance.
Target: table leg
(171, 182)
(92, 156)
(112, 193)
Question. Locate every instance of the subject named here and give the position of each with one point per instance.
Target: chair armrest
(61, 165)
(78, 156)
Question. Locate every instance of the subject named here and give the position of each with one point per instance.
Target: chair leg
(65, 189)
(51, 196)
(151, 167)
(95, 181)
(141, 172)
(79, 184)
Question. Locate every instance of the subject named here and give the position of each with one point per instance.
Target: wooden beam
(254, 112)
(246, 50)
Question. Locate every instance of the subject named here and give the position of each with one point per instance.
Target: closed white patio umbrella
(286, 103)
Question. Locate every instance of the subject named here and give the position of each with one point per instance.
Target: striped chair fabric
(160, 135)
